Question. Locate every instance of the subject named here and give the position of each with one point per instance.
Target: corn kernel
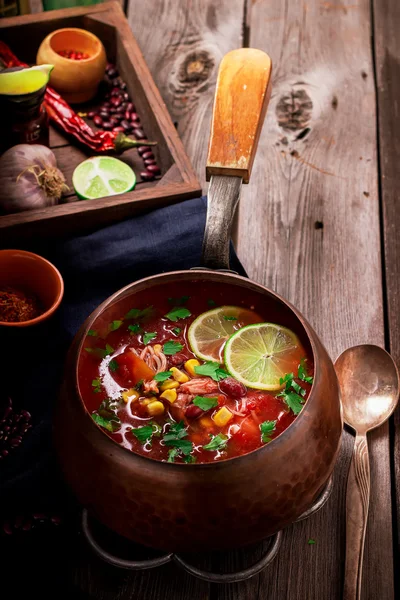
(169, 385)
(222, 417)
(169, 395)
(179, 375)
(190, 365)
(155, 408)
(205, 422)
(157, 348)
(130, 395)
(147, 401)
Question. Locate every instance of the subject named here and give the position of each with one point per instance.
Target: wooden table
(318, 224)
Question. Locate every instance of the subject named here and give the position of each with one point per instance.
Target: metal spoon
(369, 383)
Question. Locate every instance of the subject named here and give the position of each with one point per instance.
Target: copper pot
(182, 507)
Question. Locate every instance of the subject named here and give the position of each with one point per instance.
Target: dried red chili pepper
(69, 122)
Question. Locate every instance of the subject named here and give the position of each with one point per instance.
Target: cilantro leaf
(302, 372)
(311, 542)
(170, 348)
(148, 337)
(172, 454)
(293, 400)
(136, 313)
(211, 302)
(230, 318)
(114, 325)
(138, 386)
(185, 446)
(145, 433)
(135, 328)
(298, 389)
(109, 424)
(266, 429)
(178, 313)
(176, 330)
(177, 431)
(179, 301)
(162, 376)
(190, 459)
(174, 438)
(96, 385)
(205, 403)
(114, 366)
(100, 352)
(218, 442)
(211, 369)
(92, 333)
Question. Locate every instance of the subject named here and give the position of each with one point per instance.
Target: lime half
(209, 332)
(259, 355)
(102, 176)
(24, 81)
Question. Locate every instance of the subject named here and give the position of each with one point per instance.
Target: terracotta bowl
(191, 507)
(76, 80)
(34, 274)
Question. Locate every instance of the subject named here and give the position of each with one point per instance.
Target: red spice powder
(16, 306)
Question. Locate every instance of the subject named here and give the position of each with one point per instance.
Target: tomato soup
(194, 372)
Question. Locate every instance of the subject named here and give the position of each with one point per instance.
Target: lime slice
(259, 355)
(24, 81)
(209, 332)
(102, 176)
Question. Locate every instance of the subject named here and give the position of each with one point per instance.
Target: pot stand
(139, 565)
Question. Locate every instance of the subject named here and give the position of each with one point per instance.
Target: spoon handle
(357, 503)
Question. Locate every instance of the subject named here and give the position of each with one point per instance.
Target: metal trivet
(151, 563)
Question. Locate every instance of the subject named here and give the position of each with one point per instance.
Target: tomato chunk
(131, 369)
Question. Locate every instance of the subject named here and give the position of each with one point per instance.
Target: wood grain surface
(309, 228)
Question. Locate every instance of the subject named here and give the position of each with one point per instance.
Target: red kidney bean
(106, 105)
(127, 115)
(107, 125)
(98, 121)
(91, 114)
(116, 101)
(232, 388)
(139, 134)
(113, 110)
(113, 122)
(126, 96)
(149, 162)
(112, 73)
(153, 169)
(193, 411)
(143, 149)
(104, 114)
(147, 154)
(119, 128)
(129, 106)
(119, 117)
(126, 125)
(147, 176)
(115, 92)
(134, 116)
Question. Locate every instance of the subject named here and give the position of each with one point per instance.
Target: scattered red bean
(112, 73)
(232, 388)
(104, 114)
(143, 149)
(127, 115)
(120, 129)
(139, 134)
(107, 125)
(126, 125)
(116, 101)
(149, 162)
(193, 411)
(91, 114)
(98, 121)
(153, 169)
(147, 154)
(130, 107)
(147, 176)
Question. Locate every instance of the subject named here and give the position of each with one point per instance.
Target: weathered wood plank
(309, 229)
(387, 65)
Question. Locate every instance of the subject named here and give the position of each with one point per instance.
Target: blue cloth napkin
(93, 267)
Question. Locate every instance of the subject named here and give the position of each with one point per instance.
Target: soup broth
(195, 372)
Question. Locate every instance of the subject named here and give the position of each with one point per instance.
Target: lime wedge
(209, 332)
(102, 176)
(24, 81)
(259, 355)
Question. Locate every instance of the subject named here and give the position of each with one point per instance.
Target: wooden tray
(178, 180)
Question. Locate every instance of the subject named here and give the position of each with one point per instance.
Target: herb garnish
(172, 453)
(230, 318)
(96, 385)
(106, 423)
(135, 328)
(162, 376)
(176, 330)
(114, 366)
(92, 333)
(106, 417)
(218, 442)
(100, 352)
(205, 403)
(174, 438)
(211, 369)
(267, 428)
(178, 313)
(138, 386)
(170, 348)
(189, 459)
(114, 325)
(179, 301)
(292, 398)
(145, 433)
(311, 542)
(148, 337)
(302, 372)
(136, 313)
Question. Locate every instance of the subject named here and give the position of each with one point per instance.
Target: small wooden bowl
(31, 273)
(76, 80)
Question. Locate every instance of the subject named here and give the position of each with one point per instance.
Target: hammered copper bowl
(191, 507)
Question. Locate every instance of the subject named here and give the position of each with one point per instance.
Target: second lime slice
(102, 176)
